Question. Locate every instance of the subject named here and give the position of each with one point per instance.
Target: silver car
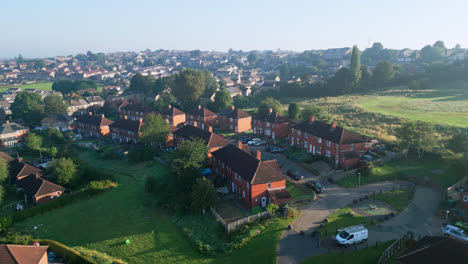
(455, 232)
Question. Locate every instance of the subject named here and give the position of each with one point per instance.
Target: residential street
(294, 247)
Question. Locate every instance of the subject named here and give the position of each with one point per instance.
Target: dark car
(277, 150)
(295, 175)
(244, 139)
(315, 186)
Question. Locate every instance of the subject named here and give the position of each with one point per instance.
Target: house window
(243, 194)
(256, 200)
(319, 140)
(328, 153)
(465, 198)
(248, 187)
(269, 185)
(328, 143)
(352, 146)
(298, 132)
(306, 135)
(306, 145)
(298, 142)
(319, 150)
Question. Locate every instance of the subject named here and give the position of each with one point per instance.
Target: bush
(256, 210)
(70, 255)
(146, 153)
(292, 212)
(18, 239)
(272, 208)
(109, 153)
(98, 257)
(5, 224)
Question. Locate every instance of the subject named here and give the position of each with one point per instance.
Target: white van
(352, 235)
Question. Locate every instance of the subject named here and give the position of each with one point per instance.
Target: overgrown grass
(364, 256)
(340, 219)
(398, 199)
(399, 169)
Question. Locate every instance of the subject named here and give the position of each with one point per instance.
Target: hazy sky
(62, 27)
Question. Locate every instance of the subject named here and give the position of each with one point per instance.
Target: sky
(48, 28)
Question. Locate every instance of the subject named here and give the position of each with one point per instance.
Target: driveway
(418, 217)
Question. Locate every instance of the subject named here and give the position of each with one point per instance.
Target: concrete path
(294, 247)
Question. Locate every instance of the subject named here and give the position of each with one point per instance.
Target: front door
(314, 150)
(292, 141)
(263, 201)
(310, 148)
(232, 187)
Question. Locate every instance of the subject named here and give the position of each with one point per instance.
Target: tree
(203, 194)
(319, 113)
(2, 193)
(54, 105)
(341, 82)
(437, 52)
(222, 100)
(383, 73)
(355, 68)
(284, 71)
(188, 163)
(416, 135)
(164, 100)
(64, 170)
(210, 83)
(293, 111)
(189, 86)
(34, 141)
(142, 84)
(306, 77)
(154, 130)
(195, 53)
(366, 78)
(252, 58)
(458, 143)
(268, 103)
(28, 106)
(3, 172)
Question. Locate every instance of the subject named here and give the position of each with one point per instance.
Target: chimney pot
(270, 110)
(312, 119)
(232, 107)
(102, 115)
(125, 117)
(210, 129)
(141, 120)
(239, 144)
(199, 106)
(20, 159)
(333, 124)
(169, 106)
(8, 121)
(195, 123)
(258, 154)
(90, 113)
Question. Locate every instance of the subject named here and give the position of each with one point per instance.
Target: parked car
(295, 175)
(245, 139)
(453, 231)
(352, 235)
(253, 141)
(275, 149)
(221, 135)
(368, 158)
(315, 186)
(258, 143)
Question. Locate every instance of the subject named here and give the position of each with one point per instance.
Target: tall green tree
(268, 103)
(222, 100)
(293, 111)
(355, 68)
(284, 71)
(64, 170)
(203, 194)
(34, 141)
(383, 73)
(210, 83)
(155, 130)
(252, 58)
(142, 84)
(417, 136)
(319, 113)
(189, 86)
(3, 171)
(28, 106)
(54, 105)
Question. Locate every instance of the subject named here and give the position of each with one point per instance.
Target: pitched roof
(137, 108)
(94, 99)
(34, 185)
(58, 117)
(6, 157)
(233, 113)
(432, 250)
(272, 117)
(127, 124)
(171, 111)
(247, 166)
(211, 139)
(279, 194)
(324, 130)
(95, 120)
(201, 111)
(10, 127)
(19, 169)
(21, 254)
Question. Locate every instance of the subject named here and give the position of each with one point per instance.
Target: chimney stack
(141, 120)
(20, 159)
(258, 154)
(90, 113)
(312, 119)
(195, 123)
(199, 106)
(8, 121)
(102, 115)
(210, 129)
(333, 125)
(232, 107)
(167, 120)
(169, 106)
(270, 110)
(125, 117)
(239, 144)
(37, 176)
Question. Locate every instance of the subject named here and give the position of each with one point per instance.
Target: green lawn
(297, 193)
(411, 166)
(104, 222)
(398, 199)
(43, 86)
(364, 256)
(341, 219)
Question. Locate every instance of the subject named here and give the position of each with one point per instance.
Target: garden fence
(239, 223)
(394, 247)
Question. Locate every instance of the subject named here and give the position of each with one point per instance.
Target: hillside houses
(11, 133)
(234, 120)
(92, 125)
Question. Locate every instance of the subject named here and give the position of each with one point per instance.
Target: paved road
(294, 247)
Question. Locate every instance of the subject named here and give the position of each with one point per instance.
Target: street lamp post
(359, 182)
(446, 216)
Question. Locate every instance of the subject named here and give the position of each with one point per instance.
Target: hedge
(70, 255)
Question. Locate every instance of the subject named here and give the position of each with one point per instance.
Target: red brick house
(135, 111)
(319, 138)
(18, 169)
(234, 120)
(39, 190)
(272, 125)
(203, 117)
(255, 182)
(11, 133)
(23, 254)
(174, 115)
(189, 132)
(126, 130)
(91, 125)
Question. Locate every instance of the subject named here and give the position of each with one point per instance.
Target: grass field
(104, 223)
(341, 219)
(411, 166)
(364, 256)
(43, 86)
(398, 199)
